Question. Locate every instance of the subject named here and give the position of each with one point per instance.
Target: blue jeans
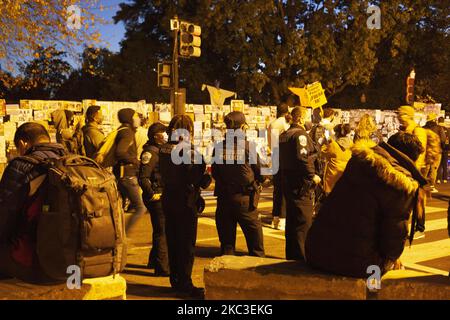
(129, 187)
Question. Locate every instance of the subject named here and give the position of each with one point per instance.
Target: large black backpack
(82, 220)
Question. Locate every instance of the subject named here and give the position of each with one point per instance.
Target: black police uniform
(297, 155)
(151, 184)
(235, 189)
(179, 199)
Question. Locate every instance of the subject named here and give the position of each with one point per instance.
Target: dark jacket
(149, 173)
(364, 220)
(439, 130)
(182, 181)
(14, 187)
(126, 153)
(93, 138)
(239, 176)
(297, 156)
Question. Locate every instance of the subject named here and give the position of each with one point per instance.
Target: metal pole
(175, 71)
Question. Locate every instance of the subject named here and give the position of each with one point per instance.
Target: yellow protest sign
(302, 94)
(316, 95)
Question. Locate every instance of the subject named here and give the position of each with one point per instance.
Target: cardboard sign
(237, 105)
(198, 108)
(316, 95)
(303, 95)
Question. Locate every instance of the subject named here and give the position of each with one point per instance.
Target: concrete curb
(236, 278)
(91, 289)
(252, 278)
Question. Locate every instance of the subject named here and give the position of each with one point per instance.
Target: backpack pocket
(98, 230)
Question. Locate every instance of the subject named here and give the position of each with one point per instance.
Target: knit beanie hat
(126, 115)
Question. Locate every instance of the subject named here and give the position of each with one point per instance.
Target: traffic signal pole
(175, 71)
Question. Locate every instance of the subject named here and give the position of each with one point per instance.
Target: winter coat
(126, 153)
(14, 186)
(364, 220)
(337, 154)
(93, 138)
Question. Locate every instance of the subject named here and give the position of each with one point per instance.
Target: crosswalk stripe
(425, 268)
(426, 251)
(437, 224)
(434, 209)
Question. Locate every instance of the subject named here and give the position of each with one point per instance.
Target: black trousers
(234, 209)
(279, 203)
(181, 232)
(159, 256)
(299, 213)
(443, 170)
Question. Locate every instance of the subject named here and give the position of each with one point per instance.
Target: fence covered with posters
(205, 117)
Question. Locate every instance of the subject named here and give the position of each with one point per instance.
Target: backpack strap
(35, 160)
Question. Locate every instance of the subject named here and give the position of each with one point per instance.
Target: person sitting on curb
(364, 220)
(20, 211)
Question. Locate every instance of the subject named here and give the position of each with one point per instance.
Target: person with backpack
(127, 164)
(152, 187)
(59, 212)
(443, 167)
(182, 202)
(93, 135)
(68, 133)
(18, 215)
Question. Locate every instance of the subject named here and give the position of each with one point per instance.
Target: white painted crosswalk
(437, 248)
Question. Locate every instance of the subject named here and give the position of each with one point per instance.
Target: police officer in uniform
(299, 178)
(152, 187)
(182, 176)
(238, 178)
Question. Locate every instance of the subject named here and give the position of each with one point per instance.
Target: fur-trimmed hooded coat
(364, 220)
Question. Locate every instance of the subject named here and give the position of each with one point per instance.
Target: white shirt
(279, 126)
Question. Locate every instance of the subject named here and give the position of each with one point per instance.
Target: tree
(259, 48)
(91, 79)
(25, 26)
(45, 74)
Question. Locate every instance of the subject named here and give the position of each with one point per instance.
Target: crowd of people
(342, 194)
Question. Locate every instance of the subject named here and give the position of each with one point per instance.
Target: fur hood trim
(400, 180)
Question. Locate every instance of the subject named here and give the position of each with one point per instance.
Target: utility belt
(253, 190)
(127, 170)
(304, 189)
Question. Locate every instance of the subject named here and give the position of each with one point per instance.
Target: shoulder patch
(146, 157)
(302, 140)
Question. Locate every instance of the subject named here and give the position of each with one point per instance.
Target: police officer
(238, 178)
(298, 174)
(152, 187)
(182, 176)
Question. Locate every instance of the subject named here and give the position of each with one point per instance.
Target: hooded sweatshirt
(126, 148)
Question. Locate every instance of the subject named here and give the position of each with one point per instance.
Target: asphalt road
(429, 254)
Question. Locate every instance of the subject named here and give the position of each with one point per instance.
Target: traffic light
(410, 90)
(190, 40)
(165, 75)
